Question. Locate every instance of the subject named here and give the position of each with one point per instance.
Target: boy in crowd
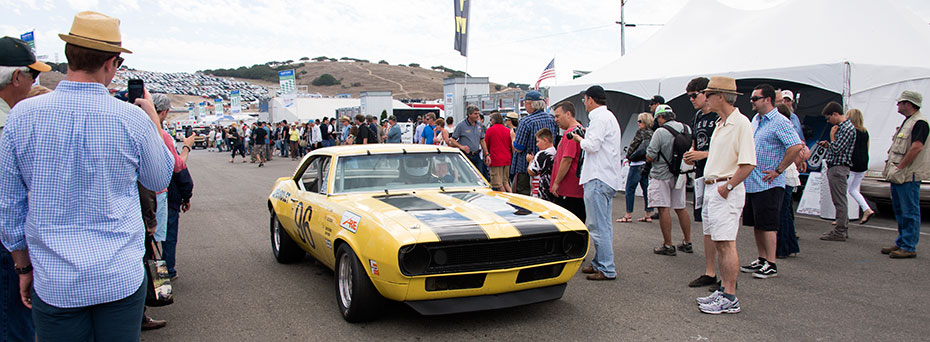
(541, 166)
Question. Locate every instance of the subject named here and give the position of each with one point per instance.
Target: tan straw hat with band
(95, 31)
(722, 84)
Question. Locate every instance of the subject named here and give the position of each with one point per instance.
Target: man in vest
(908, 163)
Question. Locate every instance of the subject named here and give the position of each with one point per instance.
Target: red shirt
(498, 140)
(569, 186)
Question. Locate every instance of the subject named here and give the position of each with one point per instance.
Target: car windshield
(402, 171)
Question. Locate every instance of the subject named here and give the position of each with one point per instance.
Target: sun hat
(722, 84)
(513, 115)
(911, 96)
(95, 31)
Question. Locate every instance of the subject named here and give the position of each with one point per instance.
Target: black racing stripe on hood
(447, 224)
(524, 220)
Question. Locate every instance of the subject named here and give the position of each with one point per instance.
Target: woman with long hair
(442, 135)
(635, 176)
(860, 164)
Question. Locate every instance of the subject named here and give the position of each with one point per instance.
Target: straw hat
(722, 84)
(95, 31)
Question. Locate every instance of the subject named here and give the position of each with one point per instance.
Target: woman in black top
(860, 163)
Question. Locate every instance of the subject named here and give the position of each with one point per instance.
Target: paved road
(231, 289)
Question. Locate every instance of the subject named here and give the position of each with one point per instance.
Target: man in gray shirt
(469, 137)
(393, 135)
(662, 191)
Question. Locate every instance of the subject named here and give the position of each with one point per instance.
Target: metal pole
(622, 29)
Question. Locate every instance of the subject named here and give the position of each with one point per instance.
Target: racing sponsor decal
(524, 220)
(302, 217)
(374, 267)
(281, 195)
(329, 244)
(350, 221)
(447, 224)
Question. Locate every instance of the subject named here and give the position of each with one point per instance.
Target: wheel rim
(276, 241)
(345, 281)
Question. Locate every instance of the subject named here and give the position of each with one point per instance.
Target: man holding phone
(95, 289)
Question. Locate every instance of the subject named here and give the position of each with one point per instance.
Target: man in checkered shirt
(69, 203)
(839, 159)
(777, 146)
(524, 143)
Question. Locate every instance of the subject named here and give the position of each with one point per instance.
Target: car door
(308, 210)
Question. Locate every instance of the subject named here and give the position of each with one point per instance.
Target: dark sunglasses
(755, 98)
(694, 95)
(709, 94)
(639, 121)
(119, 61)
(34, 74)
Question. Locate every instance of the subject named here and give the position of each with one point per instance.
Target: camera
(579, 130)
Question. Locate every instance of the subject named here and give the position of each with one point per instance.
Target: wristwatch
(23, 270)
(729, 187)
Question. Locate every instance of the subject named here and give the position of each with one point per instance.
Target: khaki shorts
(662, 194)
(721, 215)
(499, 176)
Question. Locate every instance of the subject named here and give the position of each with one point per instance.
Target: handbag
(639, 154)
(302, 143)
(158, 289)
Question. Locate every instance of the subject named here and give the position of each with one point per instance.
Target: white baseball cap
(788, 94)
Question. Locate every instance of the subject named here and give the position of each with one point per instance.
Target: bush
(498, 87)
(303, 72)
(321, 58)
(304, 58)
(415, 65)
(383, 62)
(325, 80)
(356, 84)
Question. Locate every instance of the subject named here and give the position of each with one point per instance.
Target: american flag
(549, 72)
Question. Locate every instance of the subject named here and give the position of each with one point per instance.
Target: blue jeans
(787, 240)
(634, 178)
(905, 198)
(597, 202)
(15, 318)
(119, 320)
(161, 216)
(170, 245)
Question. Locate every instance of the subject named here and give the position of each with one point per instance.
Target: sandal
(866, 216)
(646, 219)
(625, 219)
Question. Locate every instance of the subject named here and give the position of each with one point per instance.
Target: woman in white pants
(860, 163)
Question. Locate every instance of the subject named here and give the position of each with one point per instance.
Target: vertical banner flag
(288, 86)
(29, 38)
(218, 107)
(202, 109)
(461, 25)
(192, 115)
(547, 73)
(235, 106)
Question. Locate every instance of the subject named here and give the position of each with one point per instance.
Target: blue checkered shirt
(773, 134)
(69, 162)
(525, 139)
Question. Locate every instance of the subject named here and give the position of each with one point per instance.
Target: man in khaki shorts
(664, 193)
(732, 156)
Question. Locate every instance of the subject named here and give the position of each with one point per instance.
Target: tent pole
(846, 86)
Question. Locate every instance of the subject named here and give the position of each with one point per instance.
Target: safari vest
(920, 168)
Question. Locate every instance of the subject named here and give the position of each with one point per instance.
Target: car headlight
(414, 259)
(575, 245)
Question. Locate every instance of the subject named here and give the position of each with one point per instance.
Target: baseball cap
(662, 108)
(787, 94)
(533, 95)
(658, 99)
(15, 53)
(596, 92)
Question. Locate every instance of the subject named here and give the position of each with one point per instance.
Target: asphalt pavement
(230, 288)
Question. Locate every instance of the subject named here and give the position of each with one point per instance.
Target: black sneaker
(665, 250)
(769, 270)
(753, 267)
(685, 247)
(703, 280)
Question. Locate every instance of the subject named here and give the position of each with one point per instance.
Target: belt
(716, 180)
(474, 153)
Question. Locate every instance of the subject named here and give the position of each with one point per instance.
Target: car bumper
(487, 302)
(879, 191)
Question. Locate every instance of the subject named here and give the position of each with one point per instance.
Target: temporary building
(304, 109)
(862, 53)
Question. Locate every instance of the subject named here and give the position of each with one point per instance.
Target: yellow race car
(420, 225)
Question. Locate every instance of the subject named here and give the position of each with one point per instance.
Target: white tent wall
(880, 114)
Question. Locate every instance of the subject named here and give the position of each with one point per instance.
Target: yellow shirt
(295, 135)
(731, 145)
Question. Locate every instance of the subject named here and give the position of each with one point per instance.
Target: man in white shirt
(316, 136)
(600, 175)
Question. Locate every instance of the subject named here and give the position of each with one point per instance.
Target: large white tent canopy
(868, 51)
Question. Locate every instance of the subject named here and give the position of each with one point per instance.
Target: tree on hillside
(289, 61)
(304, 58)
(325, 80)
(383, 62)
(415, 65)
(321, 58)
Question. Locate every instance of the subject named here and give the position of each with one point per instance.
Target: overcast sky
(510, 41)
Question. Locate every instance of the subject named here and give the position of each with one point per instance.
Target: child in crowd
(541, 166)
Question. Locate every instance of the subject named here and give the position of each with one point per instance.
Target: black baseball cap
(596, 92)
(15, 53)
(658, 99)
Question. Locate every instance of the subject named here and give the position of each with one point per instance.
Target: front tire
(357, 297)
(285, 250)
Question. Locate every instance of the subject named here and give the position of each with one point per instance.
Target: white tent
(866, 50)
(313, 108)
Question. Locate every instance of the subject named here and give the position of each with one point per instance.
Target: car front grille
(471, 256)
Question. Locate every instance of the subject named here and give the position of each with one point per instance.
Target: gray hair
(667, 115)
(6, 74)
(471, 109)
(537, 105)
(162, 102)
(730, 98)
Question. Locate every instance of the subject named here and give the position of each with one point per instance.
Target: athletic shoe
(753, 267)
(709, 299)
(720, 306)
(769, 270)
(665, 250)
(685, 247)
(703, 280)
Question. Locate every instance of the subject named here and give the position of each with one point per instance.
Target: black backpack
(681, 143)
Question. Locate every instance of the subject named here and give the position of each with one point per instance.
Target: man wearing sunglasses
(18, 71)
